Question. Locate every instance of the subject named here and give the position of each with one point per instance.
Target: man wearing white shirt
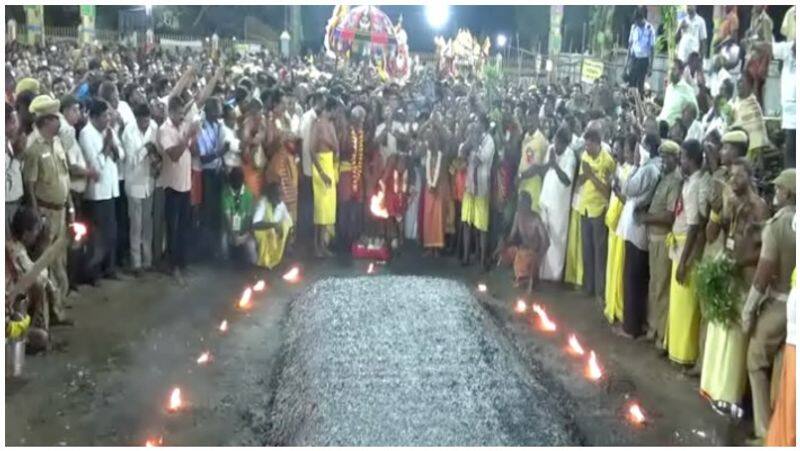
(785, 52)
(175, 139)
(70, 115)
(692, 35)
(14, 187)
(120, 115)
(718, 76)
(102, 151)
(138, 140)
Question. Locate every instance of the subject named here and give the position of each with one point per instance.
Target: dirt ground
(108, 380)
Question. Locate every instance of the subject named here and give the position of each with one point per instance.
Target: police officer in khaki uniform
(764, 312)
(659, 218)
(46, 177)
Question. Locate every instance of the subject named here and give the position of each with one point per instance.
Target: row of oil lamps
(175, 402)
(592, 369)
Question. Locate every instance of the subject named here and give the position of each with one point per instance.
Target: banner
(34, 23)
(591, 70)
(88, 14)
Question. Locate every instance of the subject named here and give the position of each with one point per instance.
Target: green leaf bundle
(718, 289)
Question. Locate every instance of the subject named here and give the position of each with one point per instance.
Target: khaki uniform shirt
(744, 220)
(664, 198)
(778, 245)
(45, 166)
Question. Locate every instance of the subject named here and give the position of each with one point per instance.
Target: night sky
(531, 22)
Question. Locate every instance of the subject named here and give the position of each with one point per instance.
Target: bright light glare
(501, 40)
(437, 14)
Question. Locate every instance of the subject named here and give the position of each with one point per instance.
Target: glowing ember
(376, 206)
(545, 323)
(244, 302)
(204, 358)
(259, 286)
(482, 287)
(152, 442)
(175, 401)
(575, 347)
(593, 371)
(635, 414)
(293, 275)
(521, 306)
(79, 229)
(371, 268)
(223, 326)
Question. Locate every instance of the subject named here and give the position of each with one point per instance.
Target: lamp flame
(152, 442)
(521, 306)
(545, 323)
(377, 207)
(575, 347)
(293, 275)
(204, 358)
(593, 371)
(79, 229)
(244, 302)
(175, 401)
(259, 286)
(635, 414)
(223, 326)
(482, 287)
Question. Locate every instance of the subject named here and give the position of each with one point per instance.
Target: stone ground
(108, 380)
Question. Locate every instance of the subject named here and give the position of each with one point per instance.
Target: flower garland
(358, 157)
(432, 181)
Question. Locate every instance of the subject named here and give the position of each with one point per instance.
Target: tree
(601, 30)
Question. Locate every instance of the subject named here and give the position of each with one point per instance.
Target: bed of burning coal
(393, 360)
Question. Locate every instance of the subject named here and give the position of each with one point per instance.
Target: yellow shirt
(592, 202)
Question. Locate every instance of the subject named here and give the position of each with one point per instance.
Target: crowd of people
(172, 157)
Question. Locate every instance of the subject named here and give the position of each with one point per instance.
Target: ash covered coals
(406, 361)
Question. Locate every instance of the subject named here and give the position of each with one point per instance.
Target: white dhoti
(554, 205)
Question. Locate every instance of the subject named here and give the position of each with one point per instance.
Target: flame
(175, 401)
(244, 302)
(575, 347)
(223, 326)
(293, 275)
(545, 323)
(79, 229)
(482, 287)
(521, 306)
(376, 206)
(635, 414)
(259, 286)
(152, 442)
(593, 371)
(371, 268)
(204, 358)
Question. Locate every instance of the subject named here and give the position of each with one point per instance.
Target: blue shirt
(642, 40)
(208, 145)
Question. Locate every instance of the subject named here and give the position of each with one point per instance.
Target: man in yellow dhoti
(724, 376)
(685, 244)
(271, 226)
(323, 178)
(616, 242)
